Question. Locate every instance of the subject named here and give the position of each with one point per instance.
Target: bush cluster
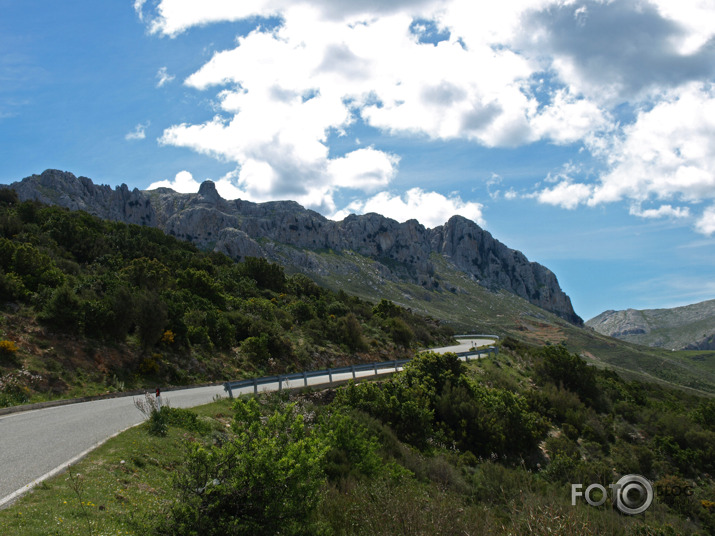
(446, 448)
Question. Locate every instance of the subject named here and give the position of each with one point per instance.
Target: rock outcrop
(284, 231)
(690, 327)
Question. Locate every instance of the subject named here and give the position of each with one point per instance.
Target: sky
(581, 133)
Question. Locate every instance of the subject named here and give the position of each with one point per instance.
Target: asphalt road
(37, 444)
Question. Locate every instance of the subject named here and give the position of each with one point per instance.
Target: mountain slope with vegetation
(285, 232)
(690, 327)
(91, 306)
(227, 320)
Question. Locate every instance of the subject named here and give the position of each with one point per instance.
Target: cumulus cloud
(364, 169)
(281, 93)
(429, 208)
(565, 195)
(500, 74)
(667, 152)
(618, 50)
(706, 223)
(174, 17)
(183, 183)
(139, 132)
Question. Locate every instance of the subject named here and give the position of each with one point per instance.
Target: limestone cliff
(285, 232)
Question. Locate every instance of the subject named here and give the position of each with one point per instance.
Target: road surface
(37, 444)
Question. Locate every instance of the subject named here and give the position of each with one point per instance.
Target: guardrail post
(374, 367)
(305, 379)
(255, 386)
(330, 375)
(227, 387)
(280, 383)
(395, 365)
(352, 369)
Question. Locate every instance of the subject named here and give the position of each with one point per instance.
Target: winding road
(37, 444)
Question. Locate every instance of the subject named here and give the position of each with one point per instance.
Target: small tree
(400, 332)
(63, 310)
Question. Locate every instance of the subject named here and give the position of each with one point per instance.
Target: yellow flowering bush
(8, 348)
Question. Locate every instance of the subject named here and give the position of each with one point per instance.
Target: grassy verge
(116, 490)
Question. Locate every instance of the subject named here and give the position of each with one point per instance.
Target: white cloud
(706, 223)
(618, 51)
(567, 119)
(429, 208)
(503, 74)
(163, 77)
(139, 8)
(183, 183)
(663, 211)
(139, 132)
(668, 152)
(176, 16)
(511, 194)
(565, 195)
(281, 93)
(364, 169)
(696, 16)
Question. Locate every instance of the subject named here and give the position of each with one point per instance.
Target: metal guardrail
(281, 378)
(477, 336)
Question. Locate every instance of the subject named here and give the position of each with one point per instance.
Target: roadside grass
(124, 485)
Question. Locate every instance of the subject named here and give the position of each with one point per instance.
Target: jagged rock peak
(208, 191)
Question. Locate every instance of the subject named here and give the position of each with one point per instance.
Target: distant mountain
(370, 252)
(691, 327)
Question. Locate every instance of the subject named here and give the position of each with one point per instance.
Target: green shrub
(405, 409)
(400, 332)
(8, 196)
(564, 368)
(350, 333)
(186, 419)
(11, 287)
(267, 480)
(63, 311)
(15, 387)
(353, 451)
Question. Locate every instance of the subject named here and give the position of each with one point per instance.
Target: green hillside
(469, 307)
(92, 306)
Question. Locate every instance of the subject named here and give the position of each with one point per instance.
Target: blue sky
(579, 132)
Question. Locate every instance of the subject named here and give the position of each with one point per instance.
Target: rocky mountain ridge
(285, 232)
(690, 327)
